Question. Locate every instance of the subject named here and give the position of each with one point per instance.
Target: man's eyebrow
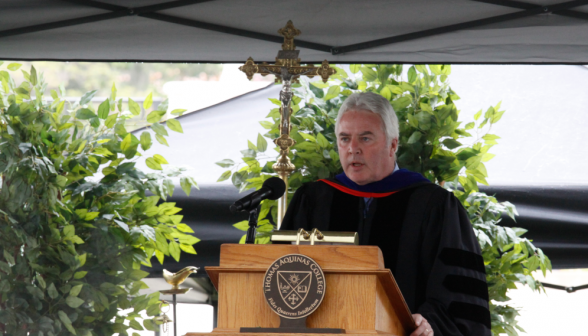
(366, 133)
(343, 134)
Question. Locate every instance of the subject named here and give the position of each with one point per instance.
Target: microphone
(273, 188)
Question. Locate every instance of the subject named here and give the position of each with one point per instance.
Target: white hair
(375, 103)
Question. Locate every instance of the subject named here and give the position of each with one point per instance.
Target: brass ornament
(163, 319)
(176, 279)
(315, 236)
(287, 70)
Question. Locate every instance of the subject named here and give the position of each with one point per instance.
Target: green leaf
(155, 116)
(451, 143)
(319, 84)
(82, 259)
(318, 92)
(135, 325)
(188, 239)
(66, 321)
(242, 225)
(87, 97)
(73, 301)
(184, 228)
(75, 290)
(161, 140)
(145, 140)
(400, 103)
(104, 109)
(188, 248)
(175, 125)
(174, 250)
(137, 274)
(224, 176)
(85, 114)
(111, 120)
(415, 137)
(159, 129)
(160, 159)
(275, 101)
(52, 291)
(322, 141)
(251, 146)
(496, 117)
(70, 230)
(163, 105)
(41, 281)
(412, 75)
(79, 275)
(178, 112)
(261, 143)
(333, 92)
(150, 325)
(9, 258)
(307, 136)
(369, 74)
(126, 143)
(14, 66)
(225, 163)
(148, 101)
(354, 68)
(266, 124)
(134, 107)
(153, 164)
(33, 77)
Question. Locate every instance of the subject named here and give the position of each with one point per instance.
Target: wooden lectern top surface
(329, 257)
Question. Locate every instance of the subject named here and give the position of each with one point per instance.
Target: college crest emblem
(294, 286)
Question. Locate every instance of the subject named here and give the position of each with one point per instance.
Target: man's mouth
(356, 164)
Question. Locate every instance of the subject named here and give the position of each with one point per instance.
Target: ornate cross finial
(287, 69)
(289, 32)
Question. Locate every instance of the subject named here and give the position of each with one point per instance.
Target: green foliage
(433, 141)
(75, 222)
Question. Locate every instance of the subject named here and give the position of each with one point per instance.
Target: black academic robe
(427, 241)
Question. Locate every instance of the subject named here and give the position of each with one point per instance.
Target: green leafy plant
(76, 223)
(433, 141)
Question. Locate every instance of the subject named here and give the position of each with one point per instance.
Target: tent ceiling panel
(418, 31)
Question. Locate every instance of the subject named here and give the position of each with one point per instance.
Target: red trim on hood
(355, 192)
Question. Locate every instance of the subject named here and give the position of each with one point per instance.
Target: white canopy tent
(342, 31)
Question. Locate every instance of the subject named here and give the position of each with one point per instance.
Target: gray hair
(371, 102)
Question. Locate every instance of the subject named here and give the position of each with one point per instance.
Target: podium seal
(294, 286)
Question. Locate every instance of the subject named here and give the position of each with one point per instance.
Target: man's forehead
(360, 122)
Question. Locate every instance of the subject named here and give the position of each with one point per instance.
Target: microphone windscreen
(276, 185)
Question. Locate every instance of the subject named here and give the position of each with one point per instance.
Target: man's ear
(393, 147)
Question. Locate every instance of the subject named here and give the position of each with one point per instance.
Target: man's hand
(423, 327)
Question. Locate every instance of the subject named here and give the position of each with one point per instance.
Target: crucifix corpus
(287, 70)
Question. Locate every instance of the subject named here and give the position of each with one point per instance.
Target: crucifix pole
(287, 70)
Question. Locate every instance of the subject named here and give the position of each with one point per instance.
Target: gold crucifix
(287, 70)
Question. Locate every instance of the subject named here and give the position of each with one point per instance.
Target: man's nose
(354, 147)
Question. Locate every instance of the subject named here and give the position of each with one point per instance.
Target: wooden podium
(361, 295)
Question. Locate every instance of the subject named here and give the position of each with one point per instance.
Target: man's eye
(365, 139)
(344, 139)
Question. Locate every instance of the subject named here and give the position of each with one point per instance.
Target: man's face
(364, 153)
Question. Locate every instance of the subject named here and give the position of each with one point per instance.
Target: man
(423, 231)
